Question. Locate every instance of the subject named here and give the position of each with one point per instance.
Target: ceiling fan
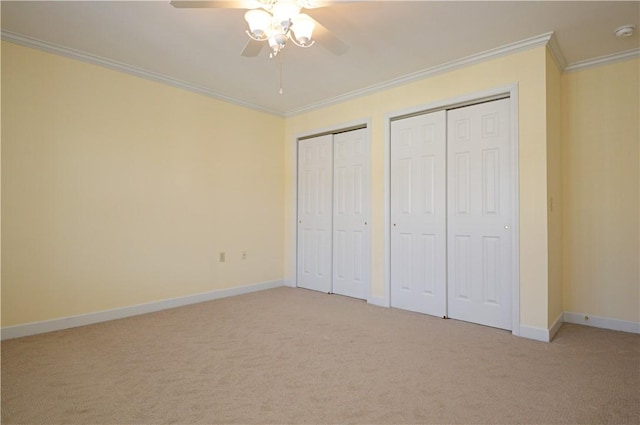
(275, 22)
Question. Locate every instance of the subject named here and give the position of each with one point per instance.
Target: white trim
(487, 55)
(386, 273)
(17, 331)
(293, 222)
(330, 129)
(549, 39)
(545, 335)
(538, 334)
(515, 219)
(497, 52)
(557, 324)
(512, 92)
(129, 69)
(602, 322)
(556, 52)
(452, 102)
(603, 60)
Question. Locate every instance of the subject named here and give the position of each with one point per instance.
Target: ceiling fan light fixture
(284, 11)
(277, 40)
(259, 22)
(276, 43)
(302, 28)
(277, 21)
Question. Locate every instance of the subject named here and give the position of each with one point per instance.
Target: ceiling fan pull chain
(280, 63)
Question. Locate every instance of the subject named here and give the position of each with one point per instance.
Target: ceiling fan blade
(252, 48)
(329, 40)
(238, 4)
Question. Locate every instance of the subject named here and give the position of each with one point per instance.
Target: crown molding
(556, 52)
(603, 60)
(497, 52)
(547, 39)
(123, 67)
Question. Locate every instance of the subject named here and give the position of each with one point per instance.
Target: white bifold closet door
(333, 213)
(451, 209)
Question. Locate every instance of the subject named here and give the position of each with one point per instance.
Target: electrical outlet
(222, 257)
(244, 255)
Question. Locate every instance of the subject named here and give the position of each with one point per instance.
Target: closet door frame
(510, 91)
(364, 123)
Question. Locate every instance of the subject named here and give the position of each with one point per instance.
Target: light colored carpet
(295, 356)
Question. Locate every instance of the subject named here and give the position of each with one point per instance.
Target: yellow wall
(118, 191)
(0, 182)
(600, 155)
(554, 188)
(527, 69)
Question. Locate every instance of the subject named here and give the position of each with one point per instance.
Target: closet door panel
(418, 213)
(351, 250)
(315, 210)
(480, 211)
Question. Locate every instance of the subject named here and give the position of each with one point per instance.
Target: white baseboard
(557, 324)
(531, 332)
(379, 301)
(34, 328)
(602, 322)
(540, 334)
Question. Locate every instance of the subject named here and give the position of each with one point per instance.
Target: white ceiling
(387, 40)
